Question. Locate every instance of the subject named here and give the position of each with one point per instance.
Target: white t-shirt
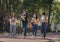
(12, 21)
(43, 18)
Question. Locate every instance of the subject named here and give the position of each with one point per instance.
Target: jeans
(25, 29)
(43, 29)
(12, 29)
(34, 29)
(7, 26)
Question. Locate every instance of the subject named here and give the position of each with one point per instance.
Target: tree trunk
(48, 28)
(1, 21)
(1, 17)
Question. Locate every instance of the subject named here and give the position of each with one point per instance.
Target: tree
(1, 18)
(50, 9)
(47, 4)
(57, 12)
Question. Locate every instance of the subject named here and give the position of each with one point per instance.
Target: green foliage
(56, 11)
(37, 6)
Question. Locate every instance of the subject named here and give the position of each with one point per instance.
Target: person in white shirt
(12, 20)
(43, 25)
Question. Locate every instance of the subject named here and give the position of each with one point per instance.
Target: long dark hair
(43, 13)
(36, 16)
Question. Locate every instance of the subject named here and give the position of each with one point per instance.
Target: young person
(12, 20)
(24, 22)
(35, 25)
(43, 25)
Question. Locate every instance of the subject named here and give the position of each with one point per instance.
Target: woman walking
(43, 25)
(24, 22)
(34, 24)
(12, 20)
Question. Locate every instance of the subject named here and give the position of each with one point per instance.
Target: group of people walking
(34, 22)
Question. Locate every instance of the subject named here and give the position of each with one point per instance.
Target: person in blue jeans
(43, 25)
(34, 30)
(24, 22)
(34, 25)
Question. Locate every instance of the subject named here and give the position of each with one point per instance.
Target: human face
(24, 12)
(13, 14)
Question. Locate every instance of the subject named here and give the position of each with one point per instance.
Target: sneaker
(33, 36)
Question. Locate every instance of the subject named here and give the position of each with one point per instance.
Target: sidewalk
(21, 40)
(5, 38)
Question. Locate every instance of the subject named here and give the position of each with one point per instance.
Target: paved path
(22, 40)
(29, 38)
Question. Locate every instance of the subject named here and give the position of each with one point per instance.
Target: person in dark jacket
(24, 22)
